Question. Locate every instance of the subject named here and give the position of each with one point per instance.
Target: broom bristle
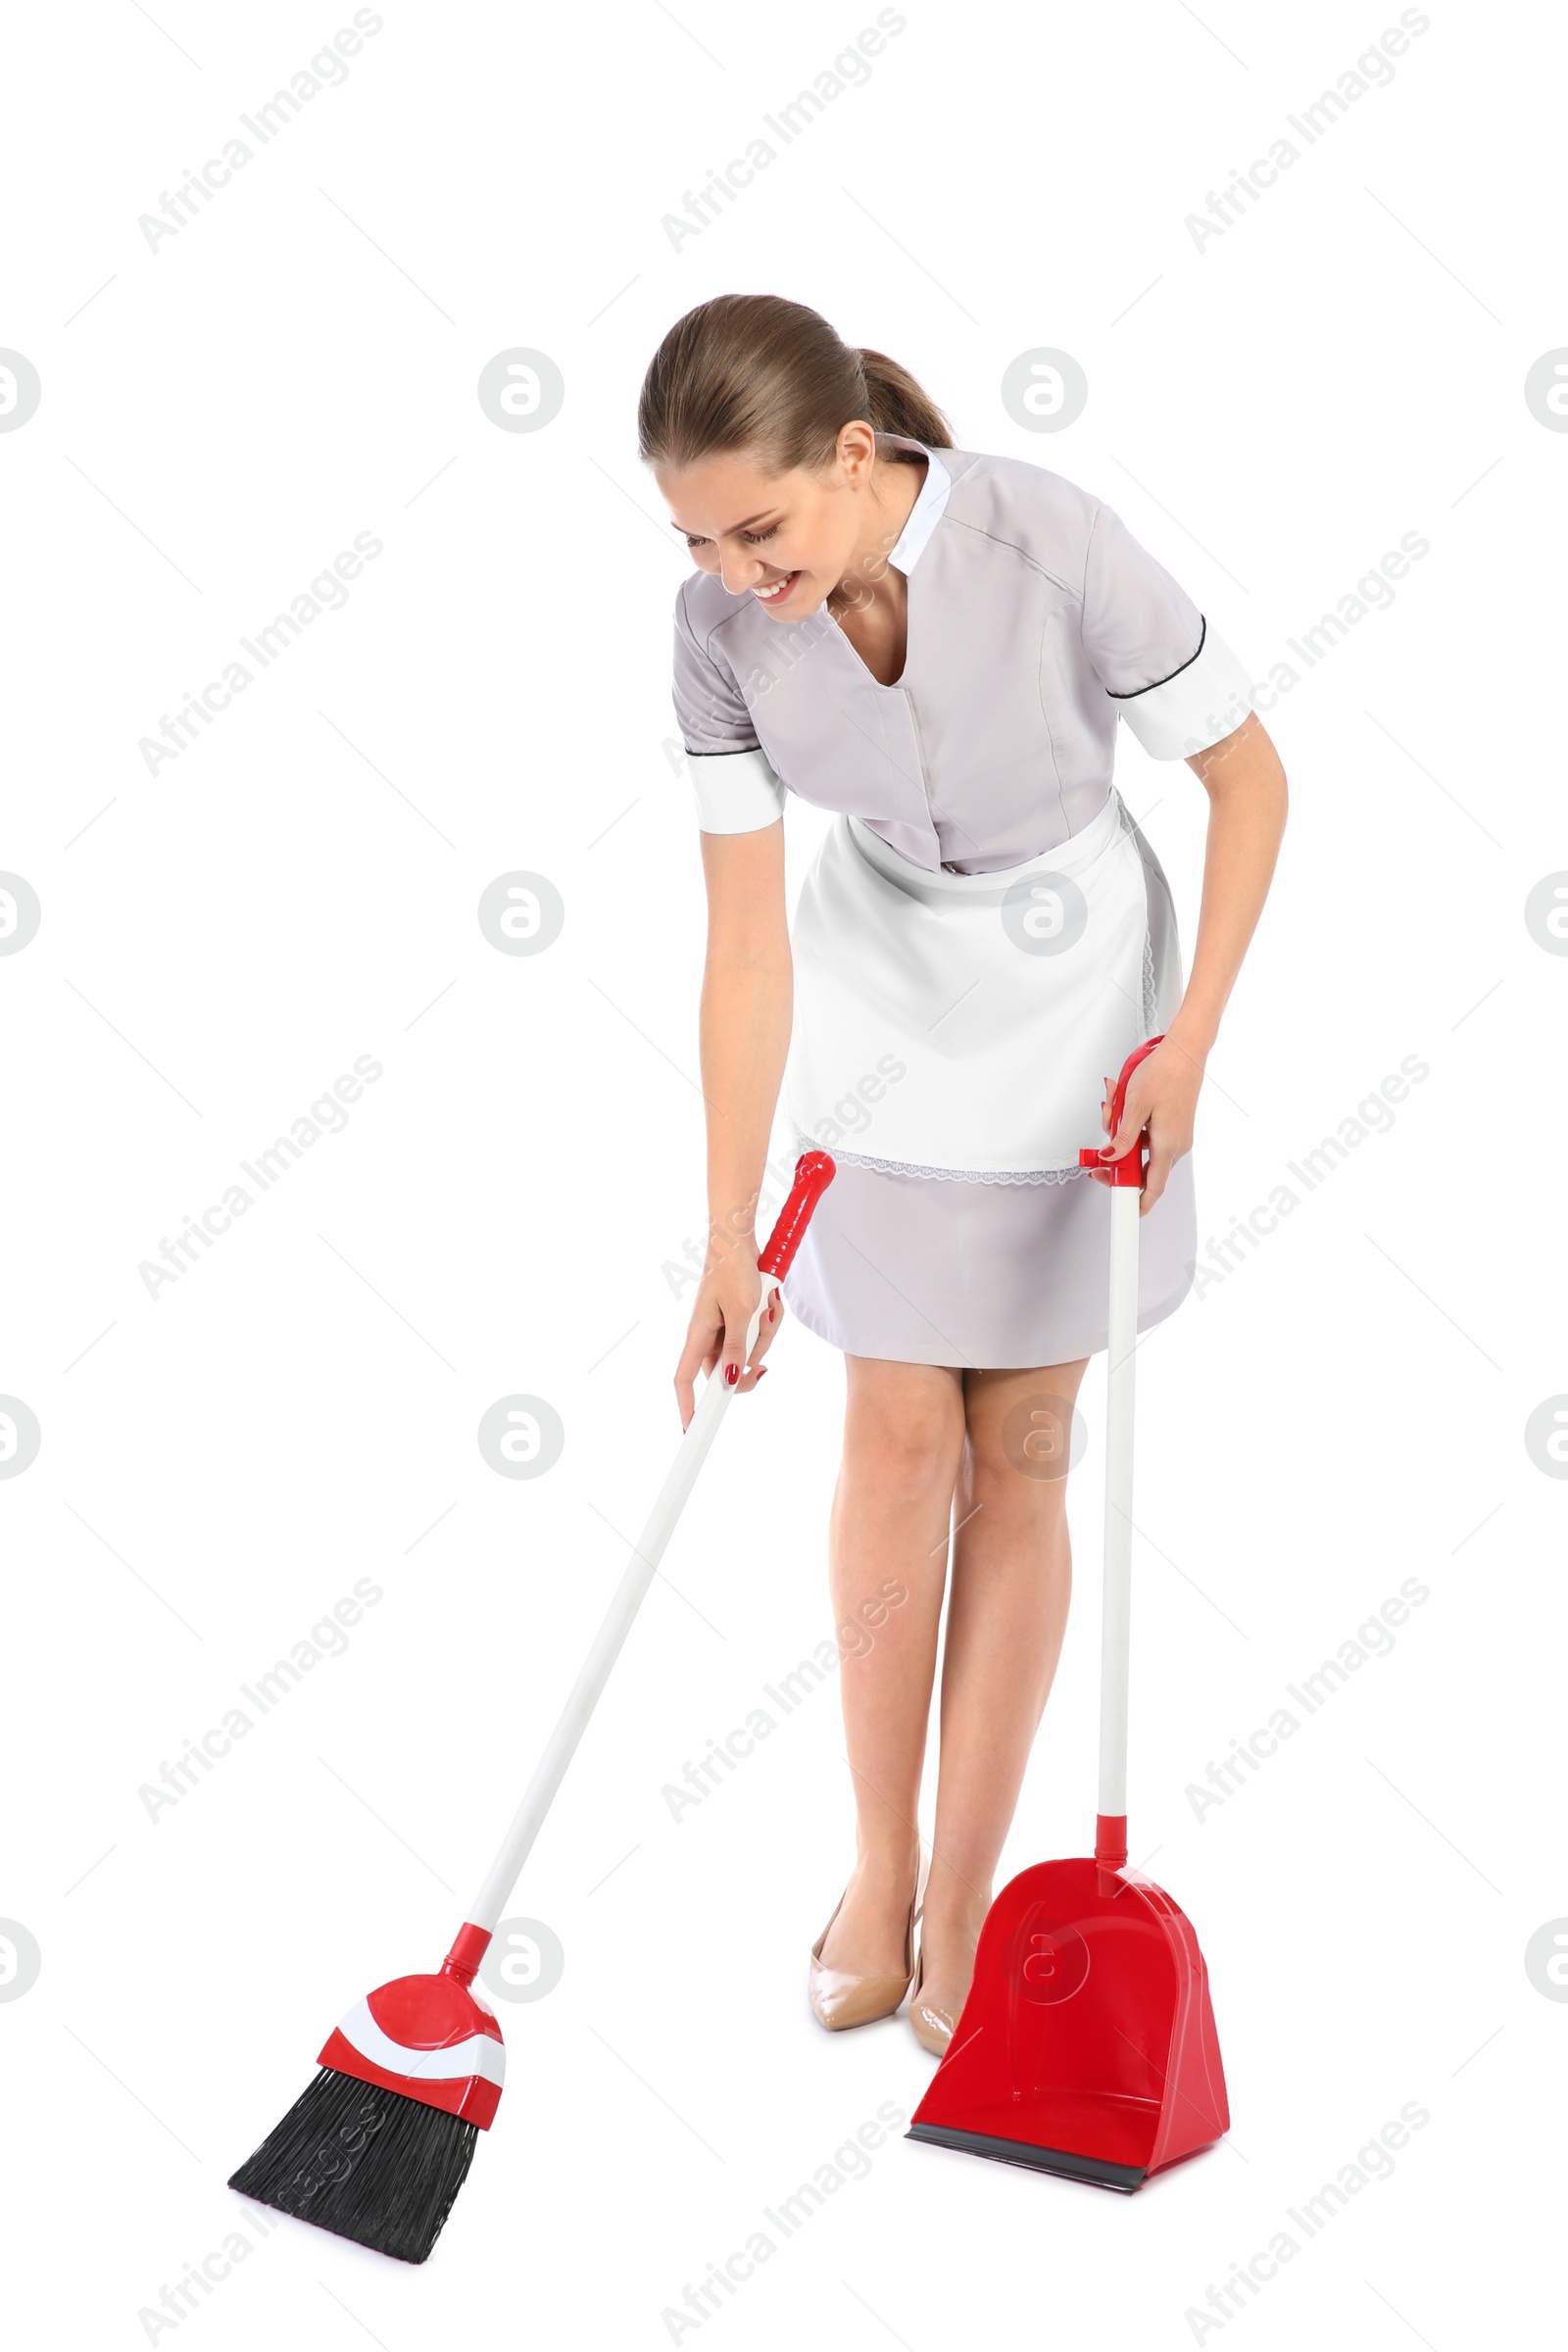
(365, 2162)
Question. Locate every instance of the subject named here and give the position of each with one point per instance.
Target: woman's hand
(1161, 1096)
(725, 1301)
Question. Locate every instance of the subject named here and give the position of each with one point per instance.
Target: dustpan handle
(1125, 1178)
(1110, 1825)
(813, 1172)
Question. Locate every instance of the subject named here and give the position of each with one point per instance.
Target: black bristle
(365, 2162)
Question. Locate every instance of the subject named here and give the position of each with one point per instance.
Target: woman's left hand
(1161, 1096)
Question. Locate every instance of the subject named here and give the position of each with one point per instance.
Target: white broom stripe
(481, 2054)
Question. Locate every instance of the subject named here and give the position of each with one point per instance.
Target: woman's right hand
(725, 1301)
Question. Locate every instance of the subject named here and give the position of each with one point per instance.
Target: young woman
(937, 644)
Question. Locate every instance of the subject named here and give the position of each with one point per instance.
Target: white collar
(926, 512)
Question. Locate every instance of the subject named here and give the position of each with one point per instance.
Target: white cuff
(737, 792)
(1205, 702)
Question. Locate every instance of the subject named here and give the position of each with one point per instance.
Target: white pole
(1115, 1627)
(647, 1552)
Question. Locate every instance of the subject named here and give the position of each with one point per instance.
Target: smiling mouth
(770, 590)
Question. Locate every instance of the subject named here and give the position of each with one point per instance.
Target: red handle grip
(1127, 1171)
(813, 1173)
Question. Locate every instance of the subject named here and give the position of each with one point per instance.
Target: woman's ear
(856, 452)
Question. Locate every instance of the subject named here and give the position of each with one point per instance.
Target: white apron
(964, 1024)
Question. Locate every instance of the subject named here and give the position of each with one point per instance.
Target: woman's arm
(1246, 800)
(743, 1033)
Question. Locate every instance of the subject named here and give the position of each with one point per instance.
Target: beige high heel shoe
(932, 2027)
(840, 2000)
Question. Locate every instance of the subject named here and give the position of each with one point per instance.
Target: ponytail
(897, 404)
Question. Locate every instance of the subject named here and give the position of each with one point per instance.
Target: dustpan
(1087, 2045)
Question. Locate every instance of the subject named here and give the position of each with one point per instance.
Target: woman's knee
(1030, 1492)
(1019, 1431)
(903, 1430)
(1017, 1468)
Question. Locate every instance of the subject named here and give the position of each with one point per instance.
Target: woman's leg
(1006, 1615)
(904, 1436)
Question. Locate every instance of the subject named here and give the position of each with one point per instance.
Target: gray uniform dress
(1035, 621)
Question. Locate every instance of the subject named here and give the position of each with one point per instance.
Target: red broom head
(429, 2038)
(379, 2147)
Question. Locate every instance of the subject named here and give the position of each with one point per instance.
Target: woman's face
(785, 539)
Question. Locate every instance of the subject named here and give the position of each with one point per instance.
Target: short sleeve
(736, 788)
(1177, 685)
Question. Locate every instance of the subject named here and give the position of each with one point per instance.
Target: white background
(218, 941)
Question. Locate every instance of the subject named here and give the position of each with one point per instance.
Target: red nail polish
(732, 1373)
(762, 1372)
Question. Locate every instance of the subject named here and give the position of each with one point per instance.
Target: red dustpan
(1087, 2045)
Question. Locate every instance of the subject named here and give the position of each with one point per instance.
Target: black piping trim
(738, 752)
(1131, 697)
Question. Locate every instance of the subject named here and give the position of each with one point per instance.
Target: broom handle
(813, 1172)
(1126, 1180)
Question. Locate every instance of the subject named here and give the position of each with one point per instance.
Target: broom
(379, 2147)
